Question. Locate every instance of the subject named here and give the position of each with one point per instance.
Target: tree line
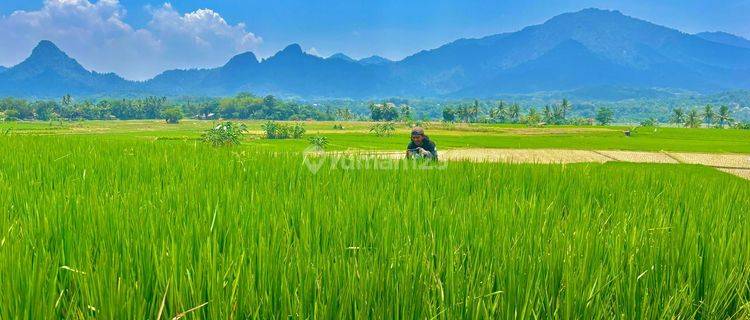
(501, 112)
(241, 106)
(708, 116)
(248, 106)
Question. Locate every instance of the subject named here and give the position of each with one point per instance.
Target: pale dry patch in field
(742, 173)
(638, 157)
(738, 165)
(715, 160)
(551, 131)
(522, 155)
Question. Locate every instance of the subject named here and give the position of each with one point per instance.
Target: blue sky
(140, 38)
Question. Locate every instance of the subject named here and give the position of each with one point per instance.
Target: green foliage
(499, 113)
(10, 115)
(724, 116)
(383, 129)
(742, 125)
(225, 134)
(678, 116)
(344, 114)
(338, 127)
(650, 122)
(320, 142)
(532, 119)
(693, 119)
(172, 115)
(578, 121)
(449, 115)
(383, 112)
(277, 130)
(404, 113)
(469, 113)
(247, 106)
(605, 116)
(709, 116)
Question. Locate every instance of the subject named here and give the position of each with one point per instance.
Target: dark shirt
(427, 144)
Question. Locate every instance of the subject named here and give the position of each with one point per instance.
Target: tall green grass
(110, 228)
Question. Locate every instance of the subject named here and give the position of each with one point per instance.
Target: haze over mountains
(571, 52)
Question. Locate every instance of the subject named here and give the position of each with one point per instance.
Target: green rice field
(356, 135)
(123, 225)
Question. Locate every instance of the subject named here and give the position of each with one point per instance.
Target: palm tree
(709, 115)
(463, 113)
(474, 111)
(532, 118)
(566, 107)
(693, 119)
(678, 116)
(498, 114)
(724, 116)
(514, 112)
(549, 116)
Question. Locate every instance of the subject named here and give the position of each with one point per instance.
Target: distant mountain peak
(293, 49)
(341, 56)
(587, 16)
(594, 12)
(375, 60)
(46, 48)
(242, 59)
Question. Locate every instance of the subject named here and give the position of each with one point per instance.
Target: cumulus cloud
(95, 33)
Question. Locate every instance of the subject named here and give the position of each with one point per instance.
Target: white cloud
(96, 34)
(314, 51)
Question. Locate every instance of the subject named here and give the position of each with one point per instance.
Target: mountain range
(576, 51)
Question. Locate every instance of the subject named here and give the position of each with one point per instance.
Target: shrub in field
(581, 121)
(650, 122)
(383, 129)
(319, 142)
(742, 125)
(338, 127)
(275, 130)
(10, 115)
(172, 115)
(225, 134)
(298, 131)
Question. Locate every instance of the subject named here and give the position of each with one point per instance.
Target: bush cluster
(276, 130)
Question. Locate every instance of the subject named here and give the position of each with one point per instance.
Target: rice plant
(112, 228)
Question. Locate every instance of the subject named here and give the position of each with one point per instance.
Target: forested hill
(576, 51)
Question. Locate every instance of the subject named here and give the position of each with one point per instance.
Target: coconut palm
(724, 116)
(678, 116)
(566, 107)
(463, 113)
(498, 113)
(548, 115)
(514, 112)
(532, 118)
(474, 111)
(693, 119)
(709, 115)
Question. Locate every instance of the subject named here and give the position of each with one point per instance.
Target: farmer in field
(421, 147)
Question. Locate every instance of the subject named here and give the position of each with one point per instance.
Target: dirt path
(736, 164)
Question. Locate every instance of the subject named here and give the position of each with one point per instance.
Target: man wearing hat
(421, 146)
